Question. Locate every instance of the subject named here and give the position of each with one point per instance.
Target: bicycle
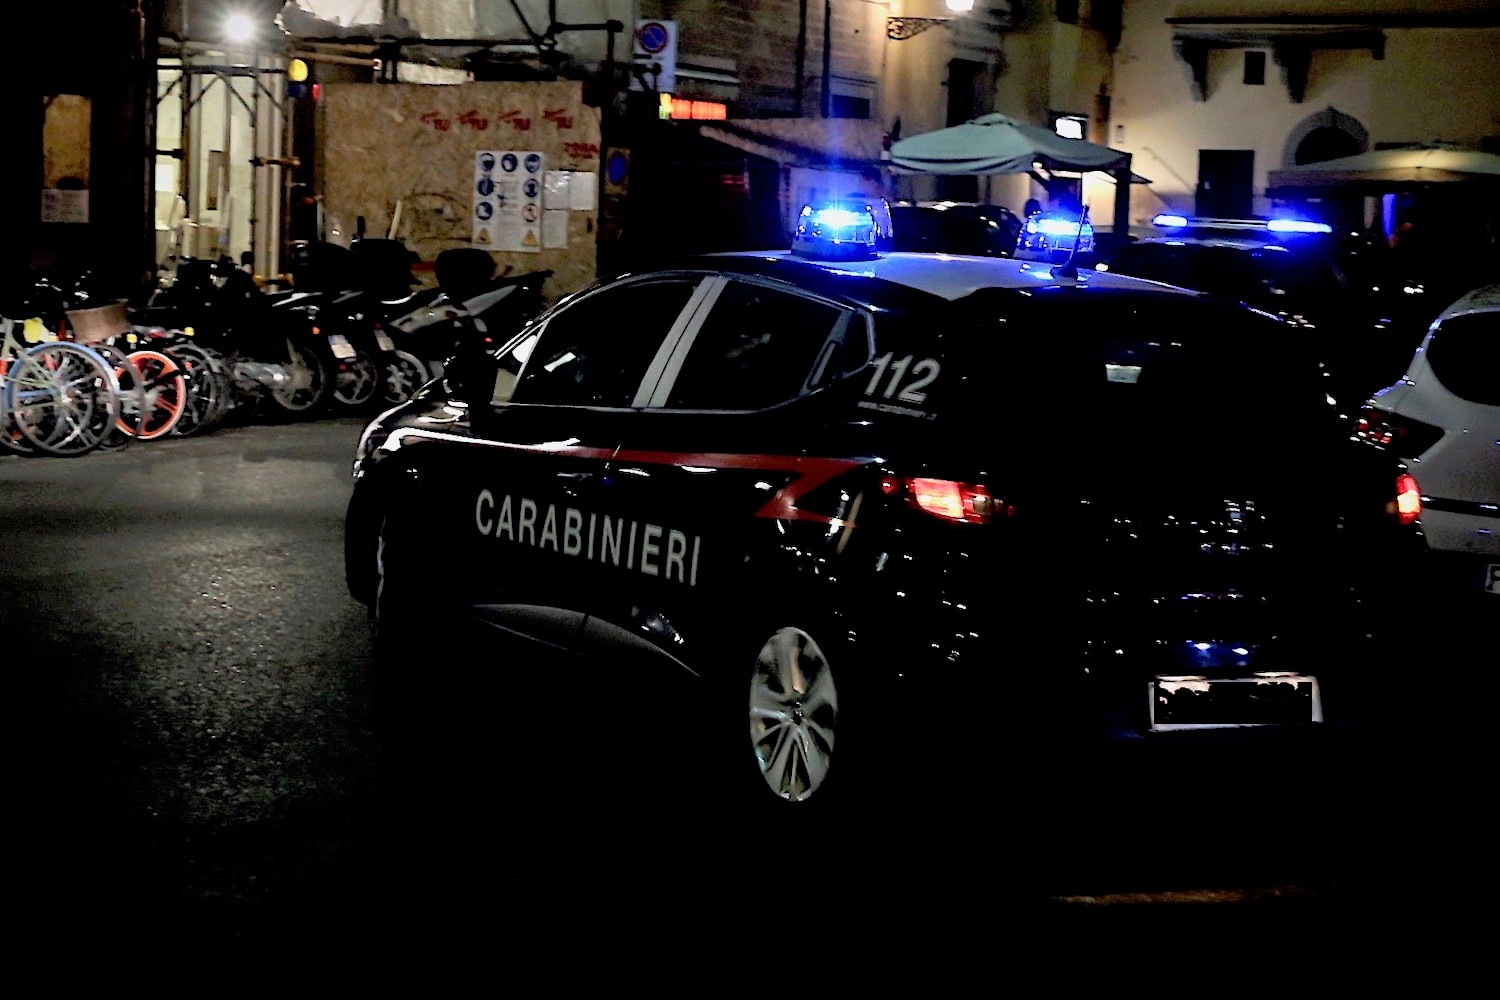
(210, 388)
(153, 387)
(59, 397)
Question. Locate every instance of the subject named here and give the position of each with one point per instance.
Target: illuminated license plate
(384, 340)
(341, 346)
(1271, 699)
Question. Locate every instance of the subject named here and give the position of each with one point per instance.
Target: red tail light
(1408, 503)
(945, 498)
(1406, 437)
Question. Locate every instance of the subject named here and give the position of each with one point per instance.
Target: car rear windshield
(1138, 376)
(1464, 355)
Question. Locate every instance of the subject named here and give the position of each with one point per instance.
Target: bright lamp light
(960, 6)
(239, 28)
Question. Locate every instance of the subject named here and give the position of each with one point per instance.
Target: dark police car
(910, 530)
(1341, 292)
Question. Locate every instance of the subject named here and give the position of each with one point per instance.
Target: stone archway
(1324, 136)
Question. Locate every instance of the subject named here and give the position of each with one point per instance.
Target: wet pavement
(196, 766)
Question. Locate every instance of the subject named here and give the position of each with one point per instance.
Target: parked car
(1340, 290)
(1443, 418)
(848, 533)
(954, 227)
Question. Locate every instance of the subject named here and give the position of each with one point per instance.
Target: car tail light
(1407, 506)
(1406, 437)
(946, 498)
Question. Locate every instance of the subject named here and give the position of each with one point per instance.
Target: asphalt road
(197, 766)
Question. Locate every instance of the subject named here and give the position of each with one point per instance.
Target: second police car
(898, 521)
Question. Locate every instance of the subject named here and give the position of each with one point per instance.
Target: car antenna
(1067, 269)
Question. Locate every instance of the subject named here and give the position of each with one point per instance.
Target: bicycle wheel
(62, 397)
(165, 387)
(210, 389)
(131, 387)
(11, 439)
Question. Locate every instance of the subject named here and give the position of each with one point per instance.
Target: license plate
(384, 340)
(1270, 699)
(341, 347)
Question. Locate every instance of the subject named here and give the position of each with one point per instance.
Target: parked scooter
(342, 298)
(476, 311)
(227, 315)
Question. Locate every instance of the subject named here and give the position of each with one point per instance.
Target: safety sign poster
(508, 192)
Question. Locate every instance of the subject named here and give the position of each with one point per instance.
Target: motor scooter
(476, 310)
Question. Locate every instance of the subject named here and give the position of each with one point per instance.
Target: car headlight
(371, 438)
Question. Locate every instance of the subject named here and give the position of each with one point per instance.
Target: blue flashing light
(847, 229)
(1298, 226)
(842, 220)
(1052, 227)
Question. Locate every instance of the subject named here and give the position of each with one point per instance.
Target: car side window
(758, 346)
(595, 351)
(1464, 354)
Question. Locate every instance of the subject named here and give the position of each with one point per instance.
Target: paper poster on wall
(64, 205)
(555, 229)
(556, 193)
(508, 191)
(583, 192)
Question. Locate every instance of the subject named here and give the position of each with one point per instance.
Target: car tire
(793, 707)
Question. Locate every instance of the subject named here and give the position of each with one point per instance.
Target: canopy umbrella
(1393, 169)
(999, 144)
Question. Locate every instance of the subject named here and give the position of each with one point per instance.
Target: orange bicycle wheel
(166, 393)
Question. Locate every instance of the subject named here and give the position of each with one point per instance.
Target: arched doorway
(1328, 135)
(1326, 143)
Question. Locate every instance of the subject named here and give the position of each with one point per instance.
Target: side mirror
(470, 375)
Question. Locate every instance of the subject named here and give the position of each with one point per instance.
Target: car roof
(1485, 298)
(948, 276)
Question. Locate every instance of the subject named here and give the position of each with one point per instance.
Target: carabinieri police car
(898, 522)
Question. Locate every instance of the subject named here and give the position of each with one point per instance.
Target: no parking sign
(655, 58)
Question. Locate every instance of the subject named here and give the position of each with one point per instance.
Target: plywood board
(380, 145)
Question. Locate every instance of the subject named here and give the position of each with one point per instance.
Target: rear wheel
(794, 709)
(355, 381)
(404, 373)
(307, 385)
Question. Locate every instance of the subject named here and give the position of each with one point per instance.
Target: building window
(846, 106)
(1067, 11)
(1255, 69)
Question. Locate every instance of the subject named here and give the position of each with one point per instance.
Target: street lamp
(240, 28)
(901, 28)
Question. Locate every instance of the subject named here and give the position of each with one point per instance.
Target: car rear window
(1464, 355)
(1137, 375)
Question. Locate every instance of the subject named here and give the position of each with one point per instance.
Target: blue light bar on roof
(1168, 220)
(1298, 226)
(848, 229)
